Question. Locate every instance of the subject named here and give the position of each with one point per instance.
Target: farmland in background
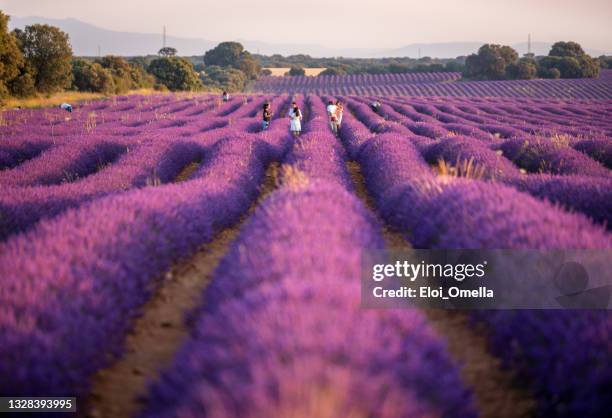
(437, 84)
(281, 71)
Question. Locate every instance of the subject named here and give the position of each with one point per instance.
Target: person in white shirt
(295, 114)
(331, 114)
(339, 111)
(225, 96)
(67, 107)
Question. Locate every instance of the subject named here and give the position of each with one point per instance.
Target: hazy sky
(343, 23)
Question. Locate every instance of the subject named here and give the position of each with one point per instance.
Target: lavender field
(437, 84)
(104, 209)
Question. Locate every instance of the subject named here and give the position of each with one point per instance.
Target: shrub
(333, 71)
(91, 76)
(120, 70)
(296, 71)
(175, 73)
(524, 69)
(23, 85)
(227, 78)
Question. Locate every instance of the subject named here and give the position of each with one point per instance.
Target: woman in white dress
(339, 114)
(295, 114)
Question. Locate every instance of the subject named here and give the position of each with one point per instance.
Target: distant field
(437, 84)
(281, 71)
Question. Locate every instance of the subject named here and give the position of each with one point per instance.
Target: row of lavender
(564, 356)
(84, 167)
(560, 171)
(280, 331)
(66, 307)
(271, 84)
(600, 88)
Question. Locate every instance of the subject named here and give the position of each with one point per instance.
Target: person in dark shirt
(267, 116)
(375, 105)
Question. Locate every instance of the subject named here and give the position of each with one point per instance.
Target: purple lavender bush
(104, 258)
(296, 308)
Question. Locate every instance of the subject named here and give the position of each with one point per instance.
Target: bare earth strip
(497, 395)
(160, 330)
(187, 171)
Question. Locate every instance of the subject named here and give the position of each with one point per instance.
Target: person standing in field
(331, 115)
(295, 114)
(339, 110)
(375, 106)
(225, 96)
(267, 116)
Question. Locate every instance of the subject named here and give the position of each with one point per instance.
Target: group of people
(334, 114)
(294, 114)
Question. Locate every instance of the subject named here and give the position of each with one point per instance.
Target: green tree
(524, 69)
(545, 72)
(398, 68)
(23, 84)
(566, 49)
(48, 54)
(589, 66)
(226, 54)
(11, 59)
(570, 60)
(249, 66)
(224, 78)
(140, 77)
(490, 62)
(332, 71)
(454, 66)
(233, 54)
(296, 71)
(175, 73)
(92, 77)
(605, 61)
(121, 71)
(570, 67)
(167, 51)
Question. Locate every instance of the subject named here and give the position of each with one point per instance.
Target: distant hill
(85, 39)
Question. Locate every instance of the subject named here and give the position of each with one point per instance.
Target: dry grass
(293, 178)
(561, 140)
(64, 97)
(464, 168)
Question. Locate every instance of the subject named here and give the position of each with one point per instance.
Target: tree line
(343, 66)
(39, 59)
(565, 60)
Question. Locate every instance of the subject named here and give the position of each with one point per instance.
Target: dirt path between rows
(160, 331)
(496, 394)
(187, 172)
